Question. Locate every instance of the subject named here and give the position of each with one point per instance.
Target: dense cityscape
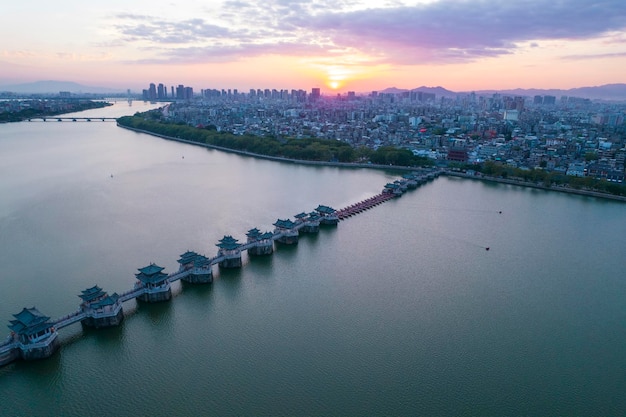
(564, 139)
(564, 135)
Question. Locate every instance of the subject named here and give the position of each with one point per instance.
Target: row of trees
(310, 149)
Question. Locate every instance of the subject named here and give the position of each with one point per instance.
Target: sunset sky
(337, 45)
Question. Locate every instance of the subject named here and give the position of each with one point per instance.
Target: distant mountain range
(612, 92)
(54, 87)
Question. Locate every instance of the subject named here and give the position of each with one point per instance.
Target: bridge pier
(311, 223)
(102, 319)
(8, 354)
(156, 295)
(199, 276)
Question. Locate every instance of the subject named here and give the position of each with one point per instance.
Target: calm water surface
(398, 311)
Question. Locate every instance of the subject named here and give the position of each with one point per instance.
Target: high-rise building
(549, 100)
(180, 92)
(188, 93)
(315, 93)
(152, 94)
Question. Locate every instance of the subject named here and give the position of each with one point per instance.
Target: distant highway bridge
(72, 119)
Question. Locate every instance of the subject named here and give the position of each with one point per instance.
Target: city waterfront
(397, 311)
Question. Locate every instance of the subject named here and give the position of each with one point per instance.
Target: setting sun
(334, 84)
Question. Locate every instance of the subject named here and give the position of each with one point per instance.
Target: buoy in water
(487, 248)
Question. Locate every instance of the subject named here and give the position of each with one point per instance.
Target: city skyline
(339, 46)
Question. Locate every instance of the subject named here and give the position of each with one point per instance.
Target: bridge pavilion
(155, 283)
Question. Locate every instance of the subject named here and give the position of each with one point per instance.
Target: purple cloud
(443, 31)
(160, 31)
(466, 30)
(227, 53)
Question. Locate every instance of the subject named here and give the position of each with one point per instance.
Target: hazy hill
(614, 92)
(606, 92)
(438, 91)
(393, 90)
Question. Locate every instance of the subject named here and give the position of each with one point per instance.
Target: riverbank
(561, 189)
(277, 158)
(386, 167)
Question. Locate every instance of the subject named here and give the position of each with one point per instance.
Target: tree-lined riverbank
(306, 149)
(317, 151)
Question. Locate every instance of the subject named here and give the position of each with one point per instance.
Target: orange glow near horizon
(353, 73)
(219, 48)
(336, 75)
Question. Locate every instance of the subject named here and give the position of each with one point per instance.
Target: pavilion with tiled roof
(286, 231)
(151, 274)
(187, 258)
(154, 280)
(228, 243)
(198, 268)
(393, 188)
(411, 180)
(263, 243)
(229, 249)
(102, 309)
(35, 333)
(300, 217)
(92, 294)
(30, 325)
(311, 223)
(328, 215)
(253, 235)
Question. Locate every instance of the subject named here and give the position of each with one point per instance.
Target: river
(399, 311)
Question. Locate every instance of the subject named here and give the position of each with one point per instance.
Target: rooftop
(29, 321)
